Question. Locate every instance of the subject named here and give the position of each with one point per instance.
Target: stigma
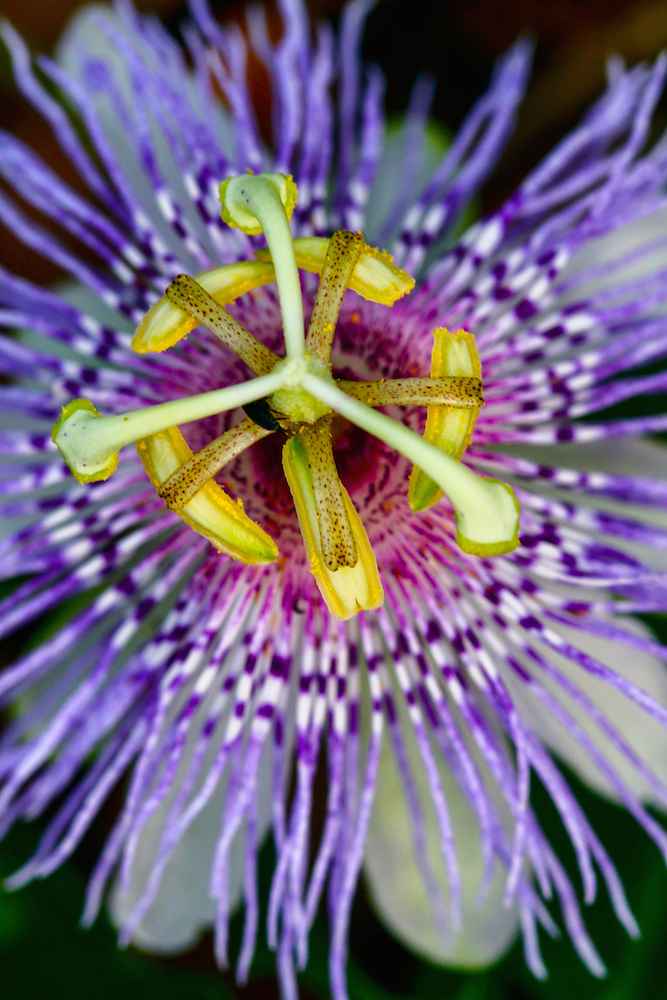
(298, 396)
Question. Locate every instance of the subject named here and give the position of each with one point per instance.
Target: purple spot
(546, 258)
(433, 631)
(280, 666)
(523, 674)
(525, 309)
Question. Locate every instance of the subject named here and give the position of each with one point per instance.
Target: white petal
(640, 458)
(182, 909)
(647, 737)
(397, 888)
(385, 192)
(624, 456)
(617, 246)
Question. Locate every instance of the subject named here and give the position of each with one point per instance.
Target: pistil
(89, 442)
(264, 204)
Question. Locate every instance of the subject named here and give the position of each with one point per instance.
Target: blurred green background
(43, 953)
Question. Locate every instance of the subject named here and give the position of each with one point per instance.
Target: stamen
(447, 427)
(487, 513)
(454, 391)
(338, 545)
(89, 443)
(186, 294)
(165, 324)
(343, 253)
(182, 485)
(349, 589)
(210, 512)
(375, 276)
(265, 204)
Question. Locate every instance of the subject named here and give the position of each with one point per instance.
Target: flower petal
(644, 734)
(397, 887)
(183, 908)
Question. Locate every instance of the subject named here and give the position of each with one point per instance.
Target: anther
(343, 253)
(338, 545)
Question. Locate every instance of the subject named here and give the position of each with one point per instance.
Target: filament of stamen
(343, 253)
(258, 197)
(452, 391)
(189, 296)
(185, 483)
(486, 510)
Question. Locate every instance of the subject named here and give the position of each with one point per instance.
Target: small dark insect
(261, 413)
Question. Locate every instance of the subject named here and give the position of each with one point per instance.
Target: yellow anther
(448, 427)
(165, 324)
(375, 276)
(349, 589)
(337, 542)
(210, 512)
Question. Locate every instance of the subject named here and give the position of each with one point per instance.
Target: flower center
(299, 396)
(292, 404)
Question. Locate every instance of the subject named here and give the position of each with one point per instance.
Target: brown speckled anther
(185, 293)
(343, 253)
(338, 545)
(181, 487)
(446, 391)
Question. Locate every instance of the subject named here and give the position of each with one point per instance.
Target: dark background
(42, 951)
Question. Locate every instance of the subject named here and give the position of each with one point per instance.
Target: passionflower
(314, 549)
